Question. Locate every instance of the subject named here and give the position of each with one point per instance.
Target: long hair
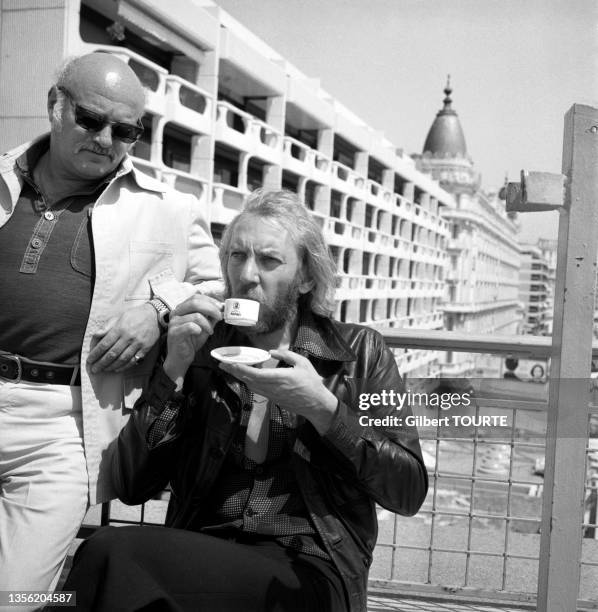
(285, 209)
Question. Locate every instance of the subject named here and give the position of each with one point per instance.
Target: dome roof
(445, 138)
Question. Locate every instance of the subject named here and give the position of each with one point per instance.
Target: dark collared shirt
(263, 498)
(260, 498)
(46, 254)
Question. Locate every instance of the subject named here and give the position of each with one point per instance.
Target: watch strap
(162, 311)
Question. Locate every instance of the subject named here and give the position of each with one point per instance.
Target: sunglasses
(95, 122)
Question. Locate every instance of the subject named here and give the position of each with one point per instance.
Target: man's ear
(52, 99)
(306, 285)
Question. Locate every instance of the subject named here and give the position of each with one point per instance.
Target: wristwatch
(162, 311)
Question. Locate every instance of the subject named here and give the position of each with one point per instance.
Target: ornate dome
(445, 138)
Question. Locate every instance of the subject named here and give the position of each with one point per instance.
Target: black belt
(17, 368)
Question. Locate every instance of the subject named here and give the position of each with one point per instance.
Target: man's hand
(298, 389)
(131, 335)
(191, 322)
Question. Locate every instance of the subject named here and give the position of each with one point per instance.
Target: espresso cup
(238, 311)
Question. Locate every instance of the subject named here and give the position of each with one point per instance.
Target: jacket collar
(27, 156)
(143, 180)
(27, 160)
(318, 337)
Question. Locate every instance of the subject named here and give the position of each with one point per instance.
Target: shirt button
(36, 243)
(49, 215)
(250, 512)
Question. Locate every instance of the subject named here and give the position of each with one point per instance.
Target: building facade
(548, 251)
(484, 258)
(226, 114)
(535, 291)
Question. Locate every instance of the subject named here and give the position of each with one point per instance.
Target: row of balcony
(484, 251)
(173, 99)
(363, 286)
(346, 234)
(226, 201)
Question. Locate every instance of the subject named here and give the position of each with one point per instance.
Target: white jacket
(148, 240)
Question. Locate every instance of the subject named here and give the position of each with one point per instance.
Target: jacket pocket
(81, 258)
(145, 260)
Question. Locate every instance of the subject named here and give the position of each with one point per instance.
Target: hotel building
(548, 251)
(535, 291)
(484, 256)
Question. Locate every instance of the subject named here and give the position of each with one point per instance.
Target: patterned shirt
(260, 498)
(264, 498)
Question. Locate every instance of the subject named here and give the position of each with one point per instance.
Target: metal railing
(478, 536)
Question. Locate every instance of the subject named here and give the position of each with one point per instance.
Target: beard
(274, 313)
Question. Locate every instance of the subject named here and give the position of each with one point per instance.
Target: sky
(516, 67)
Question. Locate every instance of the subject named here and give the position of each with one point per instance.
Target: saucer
(240, 354)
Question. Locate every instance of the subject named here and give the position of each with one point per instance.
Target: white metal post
(568, 409)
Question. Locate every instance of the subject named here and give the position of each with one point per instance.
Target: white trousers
(43, 482)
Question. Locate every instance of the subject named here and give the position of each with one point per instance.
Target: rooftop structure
(482, 277)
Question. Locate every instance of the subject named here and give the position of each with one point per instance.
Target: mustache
(94, 148)
(249, 294)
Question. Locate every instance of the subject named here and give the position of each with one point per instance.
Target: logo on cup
(241, 311)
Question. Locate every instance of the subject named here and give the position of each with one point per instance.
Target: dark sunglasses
(94, 122)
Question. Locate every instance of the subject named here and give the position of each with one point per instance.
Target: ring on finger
(138, 358)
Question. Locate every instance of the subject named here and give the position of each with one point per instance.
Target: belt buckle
(17, 360)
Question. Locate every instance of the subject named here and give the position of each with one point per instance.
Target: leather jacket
(342, 475)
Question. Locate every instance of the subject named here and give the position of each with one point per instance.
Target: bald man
(93, 255)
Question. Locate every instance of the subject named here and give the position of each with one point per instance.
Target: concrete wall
(26, 69)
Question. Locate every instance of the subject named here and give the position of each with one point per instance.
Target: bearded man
(274, 476)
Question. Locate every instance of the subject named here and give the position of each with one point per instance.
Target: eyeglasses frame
(102, 118)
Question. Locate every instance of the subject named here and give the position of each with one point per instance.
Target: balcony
(245, 132)
(226, 203)
(376, 194)
(343, 233)
(233, 126)
(188, 105)
(177, 179)
(457, 244)
(305, 161)
(345, 179)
